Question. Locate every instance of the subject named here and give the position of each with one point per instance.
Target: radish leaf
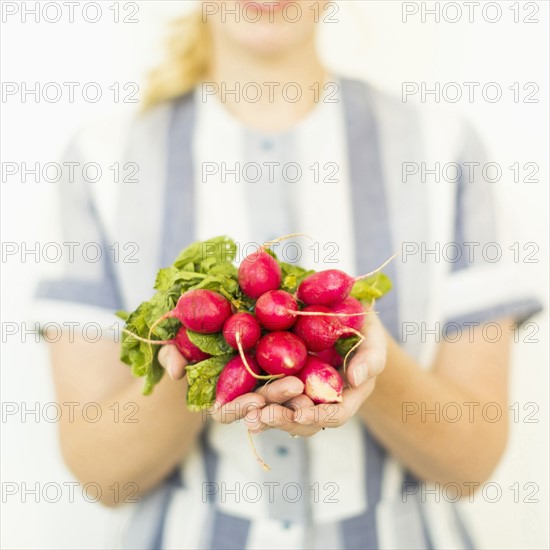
(213, 344)
(372, 288)
(343, 345)
(202, 378)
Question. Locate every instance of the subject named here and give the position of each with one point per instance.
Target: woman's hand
(299, 416)
(248, 405)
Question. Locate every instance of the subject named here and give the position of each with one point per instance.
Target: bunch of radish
(269, 334)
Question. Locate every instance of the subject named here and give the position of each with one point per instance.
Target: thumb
(172, 360)
(358, 369)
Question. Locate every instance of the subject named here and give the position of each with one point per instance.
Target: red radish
(191, 352)
(349, 307)
(248, 328)
(329, 287)
(320, 332)
(235, 380)
(259, 273)
(330, 356)
(275, 308)
(325, 288)
(202, 311)
(322, 383)
(281, 353)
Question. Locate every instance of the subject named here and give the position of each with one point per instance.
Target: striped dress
(340, 488)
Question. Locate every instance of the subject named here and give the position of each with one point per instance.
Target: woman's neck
(240, 77)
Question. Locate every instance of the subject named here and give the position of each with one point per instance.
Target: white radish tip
(321, 392)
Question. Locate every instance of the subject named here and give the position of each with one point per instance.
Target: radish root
(323, 314)
(389, 260)
(169, 315)
(264, 466)
(247, 366)
(285, 237)
(361, 340)
(147, 341)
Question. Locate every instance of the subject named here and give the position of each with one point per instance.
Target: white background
(370, 41)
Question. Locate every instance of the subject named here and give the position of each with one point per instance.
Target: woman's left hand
(301, 417)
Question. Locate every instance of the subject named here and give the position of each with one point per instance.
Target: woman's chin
(265, 40)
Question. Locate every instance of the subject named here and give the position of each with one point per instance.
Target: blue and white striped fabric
(338, 489)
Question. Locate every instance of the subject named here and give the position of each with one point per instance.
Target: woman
(365, 482)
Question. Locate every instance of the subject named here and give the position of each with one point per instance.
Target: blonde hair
(186, 64)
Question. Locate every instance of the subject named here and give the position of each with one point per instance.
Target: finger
(173, 361)
(253, 422)
(296, 404)
(334, 415)
(304, 409)
(245, 405)
(280, 391)
(370, 359)
(254, 425)
(367, 364)
(278, 417)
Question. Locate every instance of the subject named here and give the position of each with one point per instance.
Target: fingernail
(170, 368)
(292, 392)
(360, 374)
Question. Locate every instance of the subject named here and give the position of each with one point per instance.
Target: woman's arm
(150, 435)
(140, 451)
(402, 409)
(387, 387)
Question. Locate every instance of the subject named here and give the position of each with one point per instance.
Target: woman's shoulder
(109, 136)
(397, 116)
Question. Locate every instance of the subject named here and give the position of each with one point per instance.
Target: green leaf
(227, 270)
(202, 378)
(140, 356)
(212, 282)
(213, 344)
(343, 345)
(170, 276)
(153, 376)
(372, 288)
(206, 264)
(122, 314)
(205, 254)
(293, 275)
(192, 254)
